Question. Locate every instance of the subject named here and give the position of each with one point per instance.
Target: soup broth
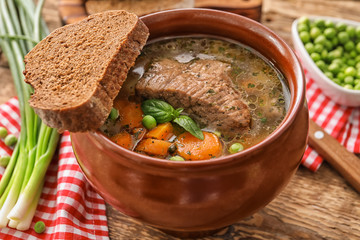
(261, 86)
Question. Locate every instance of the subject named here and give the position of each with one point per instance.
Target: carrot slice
(130, 113)
(123, 139)
(153, 147)
(192, 148)
(163, 131)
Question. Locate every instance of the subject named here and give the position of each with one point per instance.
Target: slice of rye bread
(78, 70)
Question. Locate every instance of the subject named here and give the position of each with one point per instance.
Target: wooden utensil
(345, 162)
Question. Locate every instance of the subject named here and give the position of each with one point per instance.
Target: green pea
(329, 24)
(351, 62)
(358, 47)
(349, 80)
(3, 132)
(334, 55)
(320, 23)
(348, 86)
(350, 71)
(357, 87)
(304, 36)
(39, 227)
(356, 81)
(351, 31)
(310, 48)
(334, 68)
(114, 114)
(321, 64)
(315, 56)
(149, 122)
(303, 28)
(328, 45)
(304, 20)
(315, 32)
(340, 76)
(330, 33)
(358, 74)
(349, 46)
(177, 158)
(353, 54)
(337, 81)
(10, 140)
(236, 147)
(335, 41)
(343, 37)
(321, 39)
(324, 54)
(357, 32)
(357, 65)
(340, 26)
(357, 58)
(318, 48)
(4, 161)
(329, 75)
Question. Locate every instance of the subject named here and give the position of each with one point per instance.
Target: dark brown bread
(78, 70)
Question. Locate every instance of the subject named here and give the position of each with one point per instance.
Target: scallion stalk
(21, 27)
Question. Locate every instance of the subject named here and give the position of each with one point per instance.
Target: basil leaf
(160, 110)
(189, 125)
(178, 111)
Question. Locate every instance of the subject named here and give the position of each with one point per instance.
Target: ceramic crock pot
(203, 195)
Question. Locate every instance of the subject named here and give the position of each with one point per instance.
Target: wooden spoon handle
(345, 162)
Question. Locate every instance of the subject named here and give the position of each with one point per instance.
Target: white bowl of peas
(329, 49)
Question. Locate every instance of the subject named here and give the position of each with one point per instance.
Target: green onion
(21, 27)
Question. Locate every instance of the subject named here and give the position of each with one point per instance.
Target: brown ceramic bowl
(203, 195)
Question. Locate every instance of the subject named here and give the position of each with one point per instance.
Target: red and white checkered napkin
(69, 206)
(339, 121)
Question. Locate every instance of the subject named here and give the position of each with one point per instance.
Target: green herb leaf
(160, 110)
(178, 111)
(189, 125)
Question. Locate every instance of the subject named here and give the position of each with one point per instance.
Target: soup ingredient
(160, 110)
(236, 147)
(164, 112)
(153, 147)
(130, 112)
(149, 122)
(335, 49)
(21, 27)
(192, 148)
(39, 227)
(163, 131)
(4, 161)
(3, 132)
(78, 70)
(10, 140)
(176, 158)
(123, 139)
(202, 87)
(114, 114)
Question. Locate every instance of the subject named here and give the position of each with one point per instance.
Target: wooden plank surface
(317, 205)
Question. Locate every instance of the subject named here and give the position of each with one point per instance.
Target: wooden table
(317, 205)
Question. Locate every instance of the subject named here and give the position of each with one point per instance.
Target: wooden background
(317, 205)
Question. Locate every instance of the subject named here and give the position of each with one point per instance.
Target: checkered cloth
(68, 206)
(339, 121)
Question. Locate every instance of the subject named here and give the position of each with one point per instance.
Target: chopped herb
(232, 108)
(251, 85)
(211, 91)
(263, 120)
(221, 49)
(255, 73)
(188, 153)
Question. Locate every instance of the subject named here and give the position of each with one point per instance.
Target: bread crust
(89, 112)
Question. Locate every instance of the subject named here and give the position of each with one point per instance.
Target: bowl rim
(297, 100)
(297, 41)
